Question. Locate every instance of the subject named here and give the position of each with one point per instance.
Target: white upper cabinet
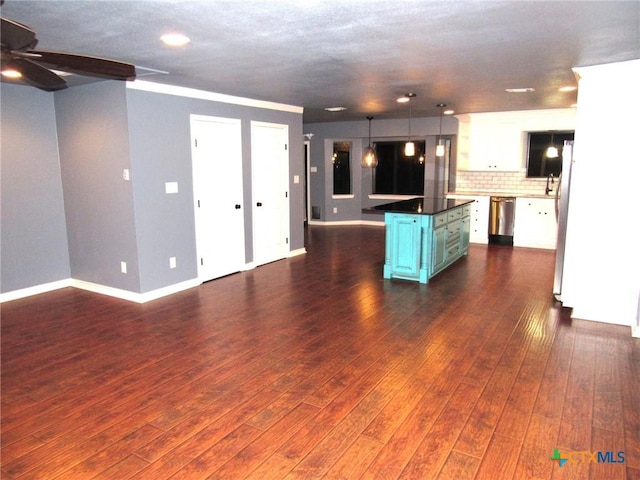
(496, 141)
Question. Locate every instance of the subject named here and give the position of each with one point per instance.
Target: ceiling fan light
(11, 73)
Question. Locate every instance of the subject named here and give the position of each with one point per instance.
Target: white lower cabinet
(535, 223)
(479, 228)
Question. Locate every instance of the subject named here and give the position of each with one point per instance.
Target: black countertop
(419, 205)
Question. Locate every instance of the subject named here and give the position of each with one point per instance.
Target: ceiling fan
(37, 67)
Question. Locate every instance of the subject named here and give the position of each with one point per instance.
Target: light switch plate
(296, 179)
(314, 169)
(171, 187)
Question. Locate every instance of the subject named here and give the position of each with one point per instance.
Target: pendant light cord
(409, 119)
(440, 134)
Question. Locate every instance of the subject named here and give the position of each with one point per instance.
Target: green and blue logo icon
(558, 457)
(585, 456)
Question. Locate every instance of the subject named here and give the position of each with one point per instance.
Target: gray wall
(101, 220)
(160, 138)
(94, 150)
(32, 228)
(324, 134)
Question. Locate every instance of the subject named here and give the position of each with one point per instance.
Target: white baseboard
(347, 222)
(292, 253)
(295, 253)
(27, 292)
(101, 289)
(133, 296)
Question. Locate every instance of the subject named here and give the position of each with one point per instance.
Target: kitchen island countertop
(419, 205)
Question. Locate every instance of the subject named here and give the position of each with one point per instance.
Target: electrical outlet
(335, 209)
(126, 175)
(123, 267)
(172, 262)
(171, 187)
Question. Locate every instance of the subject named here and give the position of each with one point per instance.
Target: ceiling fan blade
(15, 36)
(87, 65)
(37, 75)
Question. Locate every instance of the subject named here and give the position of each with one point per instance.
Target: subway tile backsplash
(499, 182)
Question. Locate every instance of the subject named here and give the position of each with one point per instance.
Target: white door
(217, 193)
(270, 191)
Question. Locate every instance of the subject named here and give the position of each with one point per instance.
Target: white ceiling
(361, 54)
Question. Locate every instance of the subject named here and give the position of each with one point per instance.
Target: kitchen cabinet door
(465, 232)
(535, 223)
(495, 143)
(439, 246)
(479, 221)
(479, 228)
(403, 243)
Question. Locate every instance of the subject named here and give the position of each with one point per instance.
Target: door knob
(237, 206)
(259, 204)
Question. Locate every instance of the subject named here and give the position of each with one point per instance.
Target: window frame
(398, 145)
(338, 158)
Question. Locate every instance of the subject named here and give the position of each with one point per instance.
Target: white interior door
(270, 191)
(218, 195)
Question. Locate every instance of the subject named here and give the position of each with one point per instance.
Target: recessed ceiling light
(520, 90)
(11, 73)
(335, 109)
(175, 39)
(568, 88)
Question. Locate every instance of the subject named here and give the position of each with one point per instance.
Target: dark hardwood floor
(316, 367)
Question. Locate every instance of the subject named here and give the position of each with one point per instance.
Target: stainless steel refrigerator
(562, 207)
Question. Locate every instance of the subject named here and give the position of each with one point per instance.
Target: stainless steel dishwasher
(502, 214)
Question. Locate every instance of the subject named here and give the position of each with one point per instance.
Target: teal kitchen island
(423, 236)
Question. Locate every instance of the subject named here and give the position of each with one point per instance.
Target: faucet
(549, 180)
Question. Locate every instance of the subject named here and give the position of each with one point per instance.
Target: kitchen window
(539, 165)
(397, 174)
(341, 168)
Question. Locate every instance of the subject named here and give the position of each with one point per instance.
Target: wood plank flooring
(316, 367)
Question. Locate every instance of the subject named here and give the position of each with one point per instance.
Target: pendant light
(440, 146)
(369, 157)
(552, 150)
(409, 147)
